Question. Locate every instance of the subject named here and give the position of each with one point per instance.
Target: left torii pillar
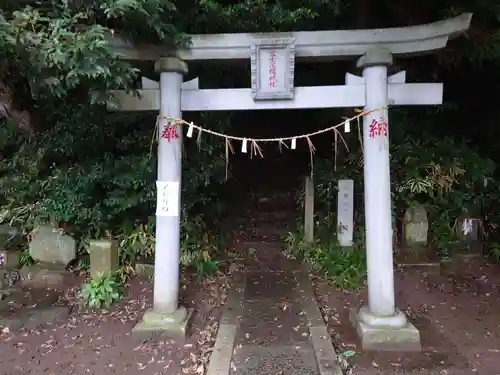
(166, 314)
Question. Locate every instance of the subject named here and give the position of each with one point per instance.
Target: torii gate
(380, 324)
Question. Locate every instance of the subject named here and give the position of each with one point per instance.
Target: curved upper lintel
(409, 40)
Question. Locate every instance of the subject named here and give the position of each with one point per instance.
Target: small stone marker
(145, 271)
(415, 226)
(9, 236)
(309, 210)
(49, 245)
(103, 257)
(345, 212)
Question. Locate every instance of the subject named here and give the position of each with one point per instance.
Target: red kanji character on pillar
(378, 128)
(373, 131)
(382, 127)
(170, 132)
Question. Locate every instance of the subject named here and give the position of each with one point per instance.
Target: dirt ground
(100, 342)
(458, 319)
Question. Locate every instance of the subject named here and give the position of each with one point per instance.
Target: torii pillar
(166, 314)
(380, 325)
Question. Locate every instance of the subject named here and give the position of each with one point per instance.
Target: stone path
(271, 324)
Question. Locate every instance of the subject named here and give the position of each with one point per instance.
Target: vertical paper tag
(244, 146)
(190, 131)
(167, 198)
(347, 126)
(294, 143)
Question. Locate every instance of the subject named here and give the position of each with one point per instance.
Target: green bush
(345, 267)
(100, 291)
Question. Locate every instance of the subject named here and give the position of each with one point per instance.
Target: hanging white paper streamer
(347, 126)
(244, 146)
(190, 130)
(294, 143)
(167, 198)
(467, 227)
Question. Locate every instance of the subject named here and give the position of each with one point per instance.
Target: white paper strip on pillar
(167, 198)
(190, 130)
(347, 126)
(345, 212)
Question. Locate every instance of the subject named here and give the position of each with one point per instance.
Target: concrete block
(386, 338)
(174, 325)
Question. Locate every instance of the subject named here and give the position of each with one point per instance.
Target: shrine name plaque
(273, 66)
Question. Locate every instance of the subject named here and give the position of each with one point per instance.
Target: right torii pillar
(380, 325)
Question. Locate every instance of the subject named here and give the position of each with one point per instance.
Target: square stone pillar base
(395, 334)
(175, 325)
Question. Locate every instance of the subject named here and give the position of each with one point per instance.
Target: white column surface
(167, 250)
(378, 197)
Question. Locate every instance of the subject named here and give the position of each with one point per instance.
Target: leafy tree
(60, 49)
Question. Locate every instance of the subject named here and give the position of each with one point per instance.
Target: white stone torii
(380, 324)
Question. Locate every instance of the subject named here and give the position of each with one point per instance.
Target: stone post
(380, 325)
(166, 314)
(345, 212)
(309, 210)
(104, 258)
